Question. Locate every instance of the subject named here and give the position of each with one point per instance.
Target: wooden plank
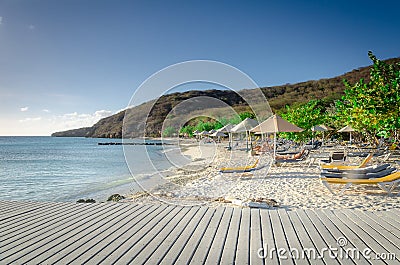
(337, 234)
(68, 250)
(194, 241)
(33, 232)
(390, 216)
(137, 244)
(21, 206)
(201, 252)
(32, 241)
(44, 219)
(243, 245)
(304, 237)
(188, 237)
(10, 209)
(317, 239)
(329, 239)
(161, 245)
(380, 225)
(19, 218)
(291, 236)
(364, 240)
(102, 247)
(280, 238)
(384, 239)
(217, 247)
(255, 237)
(349, 237)
(117, 248)
(229, 250)
(48, 233)
(176, 246)
(384, 222)
(40, 245)
(268, 240)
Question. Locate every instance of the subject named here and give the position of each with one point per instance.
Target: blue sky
(66, 64)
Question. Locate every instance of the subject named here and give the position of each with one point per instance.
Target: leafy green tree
(187, 130)
(305, 116)
(169, 131)
(246, 114)
(373, 107)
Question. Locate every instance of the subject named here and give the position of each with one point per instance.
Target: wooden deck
(122, 233)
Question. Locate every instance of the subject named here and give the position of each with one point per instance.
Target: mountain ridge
(329, 89)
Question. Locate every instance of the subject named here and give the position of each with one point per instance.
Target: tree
(169, 131)
(187, 130)
(373, 107)
(246, 114)
(305, 116)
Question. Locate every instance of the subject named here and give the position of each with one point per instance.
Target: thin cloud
(77, 120)
(31, 27)
(23, 109)
(46, 110)
(118, 111)
(31, 119)
(1, 20)
(50, 123)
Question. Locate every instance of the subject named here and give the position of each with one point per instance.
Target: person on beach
(286, 157)
(265, 147)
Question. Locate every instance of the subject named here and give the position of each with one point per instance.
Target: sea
(62, 169)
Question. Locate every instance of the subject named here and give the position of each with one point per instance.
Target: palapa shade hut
(275, 124)
(245, 126)
(320, 128)
(349, 129)
(218, 134)
(227, 129)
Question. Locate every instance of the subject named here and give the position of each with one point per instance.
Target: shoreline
(289, 187)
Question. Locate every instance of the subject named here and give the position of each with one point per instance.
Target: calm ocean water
(66, 169)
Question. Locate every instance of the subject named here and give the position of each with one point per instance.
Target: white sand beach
(294, 186)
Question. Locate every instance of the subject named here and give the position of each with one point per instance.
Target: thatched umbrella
(218, 134)
(204, 133)
(320, 128)
(245, 126)
(347, 128)
(227, 129)
(275, 124)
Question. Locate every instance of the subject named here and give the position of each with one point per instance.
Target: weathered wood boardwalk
(123, 233)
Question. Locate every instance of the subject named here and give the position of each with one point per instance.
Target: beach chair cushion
(365, 170)
(239, 169)
(387, 183)
(361, 165)
(358, 175)
(389, 178)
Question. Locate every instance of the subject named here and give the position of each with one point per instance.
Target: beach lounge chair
(363, 164)
(376, 171)
(338, 157)
(239, 169)
(303, 155)
(387, 183)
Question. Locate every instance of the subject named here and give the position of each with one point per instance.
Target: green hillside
(278, 97)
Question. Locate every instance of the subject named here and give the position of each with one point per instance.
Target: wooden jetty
(124, 233)
(129, 143)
